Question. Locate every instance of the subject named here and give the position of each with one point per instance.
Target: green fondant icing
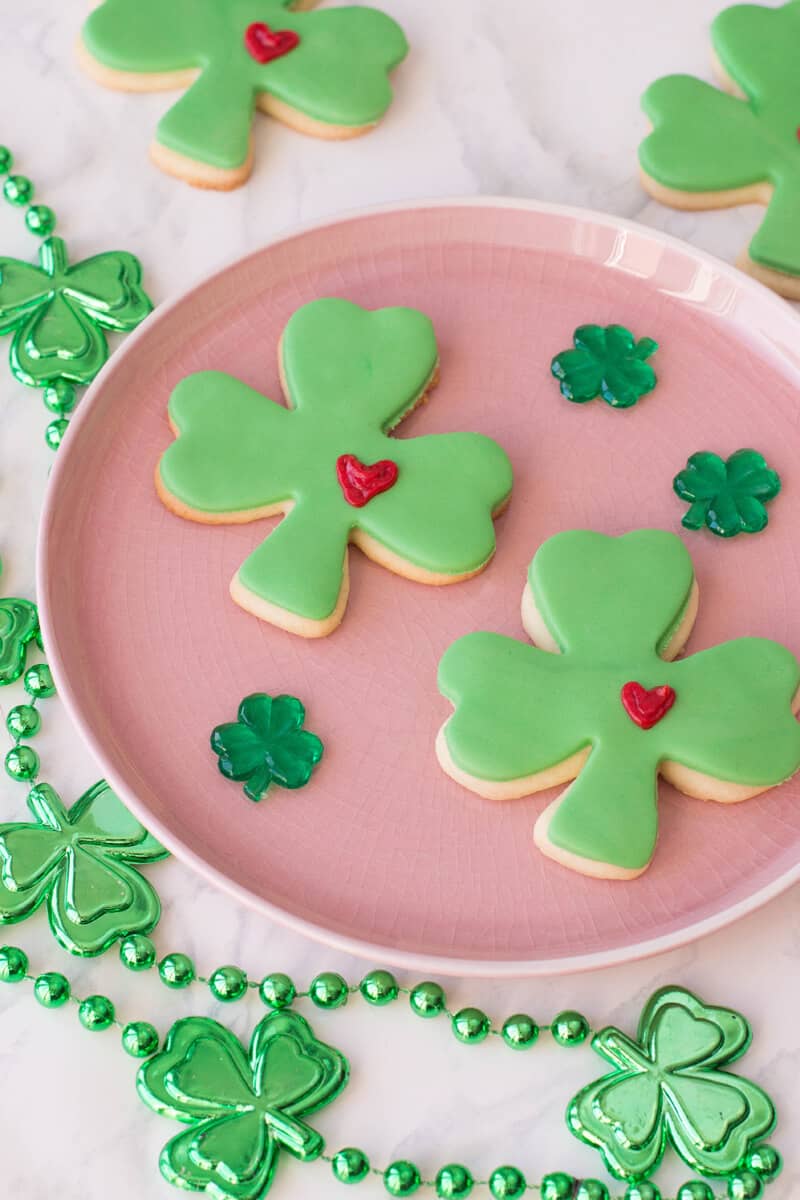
(337, 75)
(704, 140)
(611, 604)
(351, 375)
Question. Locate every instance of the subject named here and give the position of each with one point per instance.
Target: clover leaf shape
(328, 75)
(242, 1110)
(727, 495)
(668, 1088)
(58, 313)
(350, 376)
(711, 149)
(82, 865)
(19, 626)
(603, 704)
(607, 362)
(267, 744)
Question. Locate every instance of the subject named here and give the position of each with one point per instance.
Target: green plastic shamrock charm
(82, 864)
(323, 73)
(57, 313)
(715, 149)
(668, 1088)
(242, 1110)
(421, 506)
(606, 362)
(267, 744)
(602, 703)
(19, 625)
(727, 495)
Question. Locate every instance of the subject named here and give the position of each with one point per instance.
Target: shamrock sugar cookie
(602, 703)
(323, 73)
(709, 149)
(422, 506)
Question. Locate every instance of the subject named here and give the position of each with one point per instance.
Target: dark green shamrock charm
(241, 1109)
(19, 625)
(57, 313)
(668, 1087)
(727, 495)
(82, 864)
(267, 744)
(608, 362)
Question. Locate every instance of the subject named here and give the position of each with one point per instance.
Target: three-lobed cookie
(324, 73)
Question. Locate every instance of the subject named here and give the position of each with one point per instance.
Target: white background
(516, 97)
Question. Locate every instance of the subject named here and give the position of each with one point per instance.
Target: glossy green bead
(453, 1182)
(277, 991)
(96, 1013)
(570, 1028)
(745, 1185)
(6, 160)
(176, 970)
(379, 988)
(137, 952)
(350, 1165)
(23, 721)
(401, 1179)
(40, 220)
(328, 990)
(427, 999)
(18, 190)
(507, 1183)
(140, 1039)
(557, 1186)
(520, 1032)
(642, 1191)
(60, 397)
(591, 1189)
(54, 433)
(765, 1161)
(38, 681)
(471, 1025)
(695, 1189)
(228, 983)
(13, 964)
(22, 763)
(51, 989)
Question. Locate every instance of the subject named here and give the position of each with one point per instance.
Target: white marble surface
(517, 97)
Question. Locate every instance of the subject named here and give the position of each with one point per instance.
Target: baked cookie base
(691, 783)
(782, 282)
(194, 171)
(283, 618)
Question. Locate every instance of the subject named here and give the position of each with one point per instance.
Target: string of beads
(40, 220)
(351, 1165)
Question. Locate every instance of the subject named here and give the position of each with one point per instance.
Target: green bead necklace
(350, 1165)
(104, 294)
(293, 1074)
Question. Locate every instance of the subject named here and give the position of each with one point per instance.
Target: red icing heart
(264, 44)
(646, 707)
(361, 483)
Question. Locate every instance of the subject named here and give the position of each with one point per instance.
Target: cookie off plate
(381, 852)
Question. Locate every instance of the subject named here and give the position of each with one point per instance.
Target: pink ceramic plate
(382, 853)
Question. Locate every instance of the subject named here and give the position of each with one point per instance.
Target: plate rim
(375, 951)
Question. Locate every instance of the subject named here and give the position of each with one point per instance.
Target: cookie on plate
(423, 507)
(599, 700)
